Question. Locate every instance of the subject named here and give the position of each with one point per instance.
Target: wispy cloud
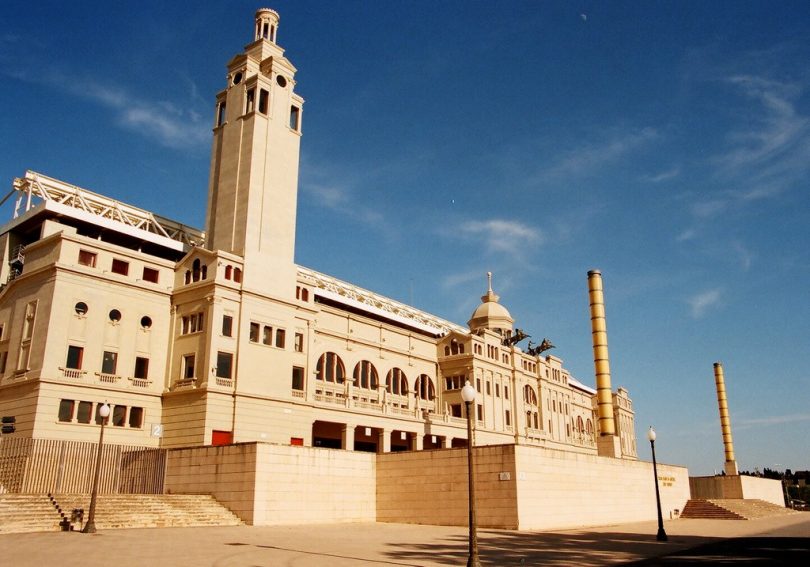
(166, 123)
(686, 235)
(662, 176)
(502, 235)
(700, 303)
(746, 257)
(771, 420)
(587, 159)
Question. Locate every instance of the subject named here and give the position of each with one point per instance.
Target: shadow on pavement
(521, 548)
(743, 551)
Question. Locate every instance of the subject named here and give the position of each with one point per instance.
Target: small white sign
(504, 476)
(157, 430)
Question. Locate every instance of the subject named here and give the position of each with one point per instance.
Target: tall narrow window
(224, 365)
(267, 335)
(85, 412)
(188, 367)
(295, 118)
(299, 342)
(221, 113)
(250, 101)
(109, 362)
(119, 416)
(227, 326)
(141, 368)
(237, 275)
(254, 332)
(280, 337)
(136, 417)
(263, 97)
(297, 378)
(74, 357)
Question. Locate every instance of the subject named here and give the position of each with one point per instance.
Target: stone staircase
(30, 513)
(20, 513)
(732, 509)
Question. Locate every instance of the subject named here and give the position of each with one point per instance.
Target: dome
(491, 314)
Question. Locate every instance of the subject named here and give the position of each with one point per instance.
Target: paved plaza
(785, 540)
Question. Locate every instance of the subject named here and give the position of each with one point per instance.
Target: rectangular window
(224, 364)
(455, 410)
(119, 416)
(221, 113)
(254, 332)
(120, 267)
(267, 335)
(136, 417)
(74, 357)
(295, 117)
(508, 417)
(263, 97)
(506, 392)
(188, 366)
(281, 336)
(109, 362)
(497, 390)
(489, 389)
(193, 323)
(299, 342)
(227, 326)
(480, 412)
(150, 275)
(141, 367)
(297, 378)
(66, 410)
(87, 258)
(85, 412)
(477, 384)
(250, 101)
(3, 359)
(30, 318)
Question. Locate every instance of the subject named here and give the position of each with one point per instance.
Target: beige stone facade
(211, 338)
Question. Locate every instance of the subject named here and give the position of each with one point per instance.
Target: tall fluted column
(601, 361)
(725, 421)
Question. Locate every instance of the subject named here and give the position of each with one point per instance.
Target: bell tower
(253, 184)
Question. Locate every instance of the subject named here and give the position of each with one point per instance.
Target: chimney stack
(725, 421)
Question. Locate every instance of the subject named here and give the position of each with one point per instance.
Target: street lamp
(662, 535)
(468, 395)
(90, 526)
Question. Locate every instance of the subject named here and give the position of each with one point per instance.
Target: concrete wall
(430, 487)
(525, 488)
(559, 489)
(268, 484)
(737, 486)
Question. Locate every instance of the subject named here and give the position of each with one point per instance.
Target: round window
(81, 308)
(237, 78)
(282, 82)
(115, 315)
(146, 321)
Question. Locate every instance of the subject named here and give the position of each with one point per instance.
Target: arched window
(304, 294)
(454, 346)
(228, 272)
(365, 375)
(237, 275)
(188, 277)
(195, 270)
(425, 389)
(446, 351)
(396, 382)
(580, 425)
(330, 368)
(529, 396)
(589, 427)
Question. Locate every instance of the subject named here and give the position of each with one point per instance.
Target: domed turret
(491, 314)
(266, 24)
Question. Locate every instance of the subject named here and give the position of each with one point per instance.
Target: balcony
(73, 373)
(107, 378)
(140, 382)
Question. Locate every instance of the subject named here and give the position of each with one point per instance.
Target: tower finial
(489, 282)
(266, 24)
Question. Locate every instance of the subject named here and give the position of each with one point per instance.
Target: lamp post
(90, 526)
(662, 535)
(468, 395)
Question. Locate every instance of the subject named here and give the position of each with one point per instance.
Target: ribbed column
(725, 420)
(601, 361)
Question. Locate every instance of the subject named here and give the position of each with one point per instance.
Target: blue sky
(665, 143)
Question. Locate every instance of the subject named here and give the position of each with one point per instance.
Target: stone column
(347, 438)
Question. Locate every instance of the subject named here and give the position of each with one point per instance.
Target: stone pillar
(347, 438)
(445, 442)
(384, 441)
(418, 442)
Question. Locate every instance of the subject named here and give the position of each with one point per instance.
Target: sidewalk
(343, 545)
